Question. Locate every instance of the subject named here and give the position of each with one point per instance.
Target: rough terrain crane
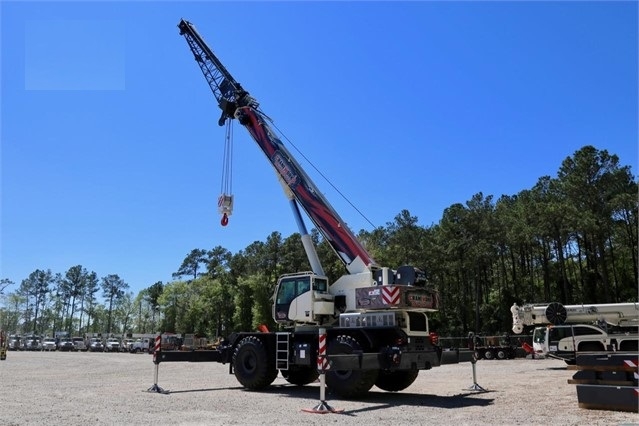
(375, 317)
(570, 329)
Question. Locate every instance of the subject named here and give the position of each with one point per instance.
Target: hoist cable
(227, 160)
(320, 173)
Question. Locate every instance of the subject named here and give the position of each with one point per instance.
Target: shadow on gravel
(553, 369)
(169, 392)
(381, 400)
(377, 400)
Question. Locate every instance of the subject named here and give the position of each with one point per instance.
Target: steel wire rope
(227, 160)
(318, 171)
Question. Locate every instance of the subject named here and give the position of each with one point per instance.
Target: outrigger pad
(322, 408)
(156, 389)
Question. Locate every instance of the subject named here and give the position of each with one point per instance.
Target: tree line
(570, 238)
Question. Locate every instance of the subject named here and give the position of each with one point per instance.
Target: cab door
(288, 306)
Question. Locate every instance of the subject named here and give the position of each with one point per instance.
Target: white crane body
(566, 330)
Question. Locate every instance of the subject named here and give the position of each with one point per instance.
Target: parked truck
(571, 329)
(494, 347)
(112, 344)
(375, 317)
(142, 345)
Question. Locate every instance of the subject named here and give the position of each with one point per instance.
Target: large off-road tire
(300, 375)
(488, 354)
(501, 354)
(348, 383)
(252, 366)
(393, 381)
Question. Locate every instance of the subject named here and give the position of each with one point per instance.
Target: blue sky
(112, 158)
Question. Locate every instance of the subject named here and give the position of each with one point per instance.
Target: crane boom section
(235, 102)
(318, 209)
(617, 314)
(227, 91)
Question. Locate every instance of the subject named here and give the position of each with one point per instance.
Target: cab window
(291, 288)
(586, 331)
(320, 284)
(303, 286)
(286, 292)
(558, 333)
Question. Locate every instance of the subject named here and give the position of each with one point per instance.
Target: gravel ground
(61, 388)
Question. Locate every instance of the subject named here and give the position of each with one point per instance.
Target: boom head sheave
(229, 93)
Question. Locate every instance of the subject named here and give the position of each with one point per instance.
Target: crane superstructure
(376, 317)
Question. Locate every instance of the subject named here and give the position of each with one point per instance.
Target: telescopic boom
(236, 103)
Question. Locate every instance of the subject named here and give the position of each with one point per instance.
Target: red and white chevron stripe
(322, 362)
(630, 363)
(390, 295)
(156, 348)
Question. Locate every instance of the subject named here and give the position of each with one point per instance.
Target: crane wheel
(489, 354)
(251, 364)
(393, 381)
(301, 375)
(348, 383)
(501, 354)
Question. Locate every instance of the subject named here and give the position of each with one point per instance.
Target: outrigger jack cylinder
(474, 387)
(322, 366)
(156, 360)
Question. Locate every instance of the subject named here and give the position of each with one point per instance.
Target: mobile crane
(578, 328)
(375, 317)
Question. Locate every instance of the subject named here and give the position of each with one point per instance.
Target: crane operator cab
(303, 298)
